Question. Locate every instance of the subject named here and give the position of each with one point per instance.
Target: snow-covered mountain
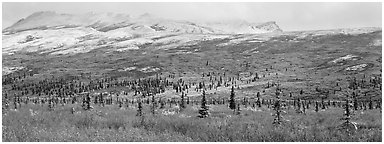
(66, 34)
(146, 23)
(57, 34)
(243, 27)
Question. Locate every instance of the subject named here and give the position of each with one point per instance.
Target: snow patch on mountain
(149, 69)
(359, 67)
(47, 40)
(377, 42)
(345, 58)
(346, 31)
(246, 38)
(7, 70)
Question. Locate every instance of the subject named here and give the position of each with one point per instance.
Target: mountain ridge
(105, 21)
(49, 33)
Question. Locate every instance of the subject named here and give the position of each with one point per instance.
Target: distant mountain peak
(146, 15)
(40, 13)
(269, 26)
(149, 17)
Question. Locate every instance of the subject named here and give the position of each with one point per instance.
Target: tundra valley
(113, 77)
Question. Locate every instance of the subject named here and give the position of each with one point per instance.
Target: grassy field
(111, 123)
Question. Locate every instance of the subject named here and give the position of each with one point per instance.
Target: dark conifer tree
(182, 102)
(203, 112)
(15, 102)
(370, 105)
(238, 111)
(139, 109)
(50, 104)
(232, 103)
(153, 107)
(88, 102)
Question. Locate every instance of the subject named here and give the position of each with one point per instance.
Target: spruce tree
(370, 105)
(278, 108)
(238, 109)
(316, 107)
(355, 103)
(15, 103)
(304, 106)
(50, 104)
(348, 125)
(88, 102)
(258, 102)
(182, 103)
(204, 108)
(139, 109)
(153, 107)
(232, 103)
(322, 104)
(278, 112)
(298, 109)
(120, 103)
(162, 104)
(6, 101)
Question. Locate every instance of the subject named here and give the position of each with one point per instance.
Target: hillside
(145, 23)
(299, 60)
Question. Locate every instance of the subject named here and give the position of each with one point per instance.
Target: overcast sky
(289, 16)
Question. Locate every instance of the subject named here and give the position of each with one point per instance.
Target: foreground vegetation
(111, 123)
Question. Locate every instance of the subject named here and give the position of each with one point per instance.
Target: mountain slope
(110, 21)
(63, 34)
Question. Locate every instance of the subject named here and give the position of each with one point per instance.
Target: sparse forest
(288, 88)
